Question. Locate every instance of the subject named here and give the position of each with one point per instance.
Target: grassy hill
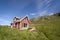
(48, 28)
(6, 33)
(48, 25)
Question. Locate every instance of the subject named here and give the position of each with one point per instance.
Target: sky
(30, 8)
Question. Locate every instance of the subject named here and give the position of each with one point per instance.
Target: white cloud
(48, 1)
(27, 15)
(4, 22)
(43, 13)
(43, 4)
(51, 13)
(43, 7)
(32, 14)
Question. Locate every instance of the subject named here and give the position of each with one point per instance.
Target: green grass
(7, 33)
(48, 29)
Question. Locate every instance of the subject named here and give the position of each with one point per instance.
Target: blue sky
(31, 8)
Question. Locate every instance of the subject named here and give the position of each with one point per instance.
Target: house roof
(20, 19)
(23, 18)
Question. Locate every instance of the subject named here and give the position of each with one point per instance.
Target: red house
(20, 23)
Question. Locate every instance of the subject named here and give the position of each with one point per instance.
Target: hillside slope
(48, 25)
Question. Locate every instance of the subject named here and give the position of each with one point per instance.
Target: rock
(33, 30)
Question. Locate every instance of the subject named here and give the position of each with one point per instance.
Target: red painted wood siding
(20, 25)
(25, 20)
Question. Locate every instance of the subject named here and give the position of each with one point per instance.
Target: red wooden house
(20, 23)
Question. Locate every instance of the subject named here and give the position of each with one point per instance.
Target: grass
(48, 29)
(6, 33)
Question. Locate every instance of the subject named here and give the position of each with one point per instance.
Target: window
(24, 25)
